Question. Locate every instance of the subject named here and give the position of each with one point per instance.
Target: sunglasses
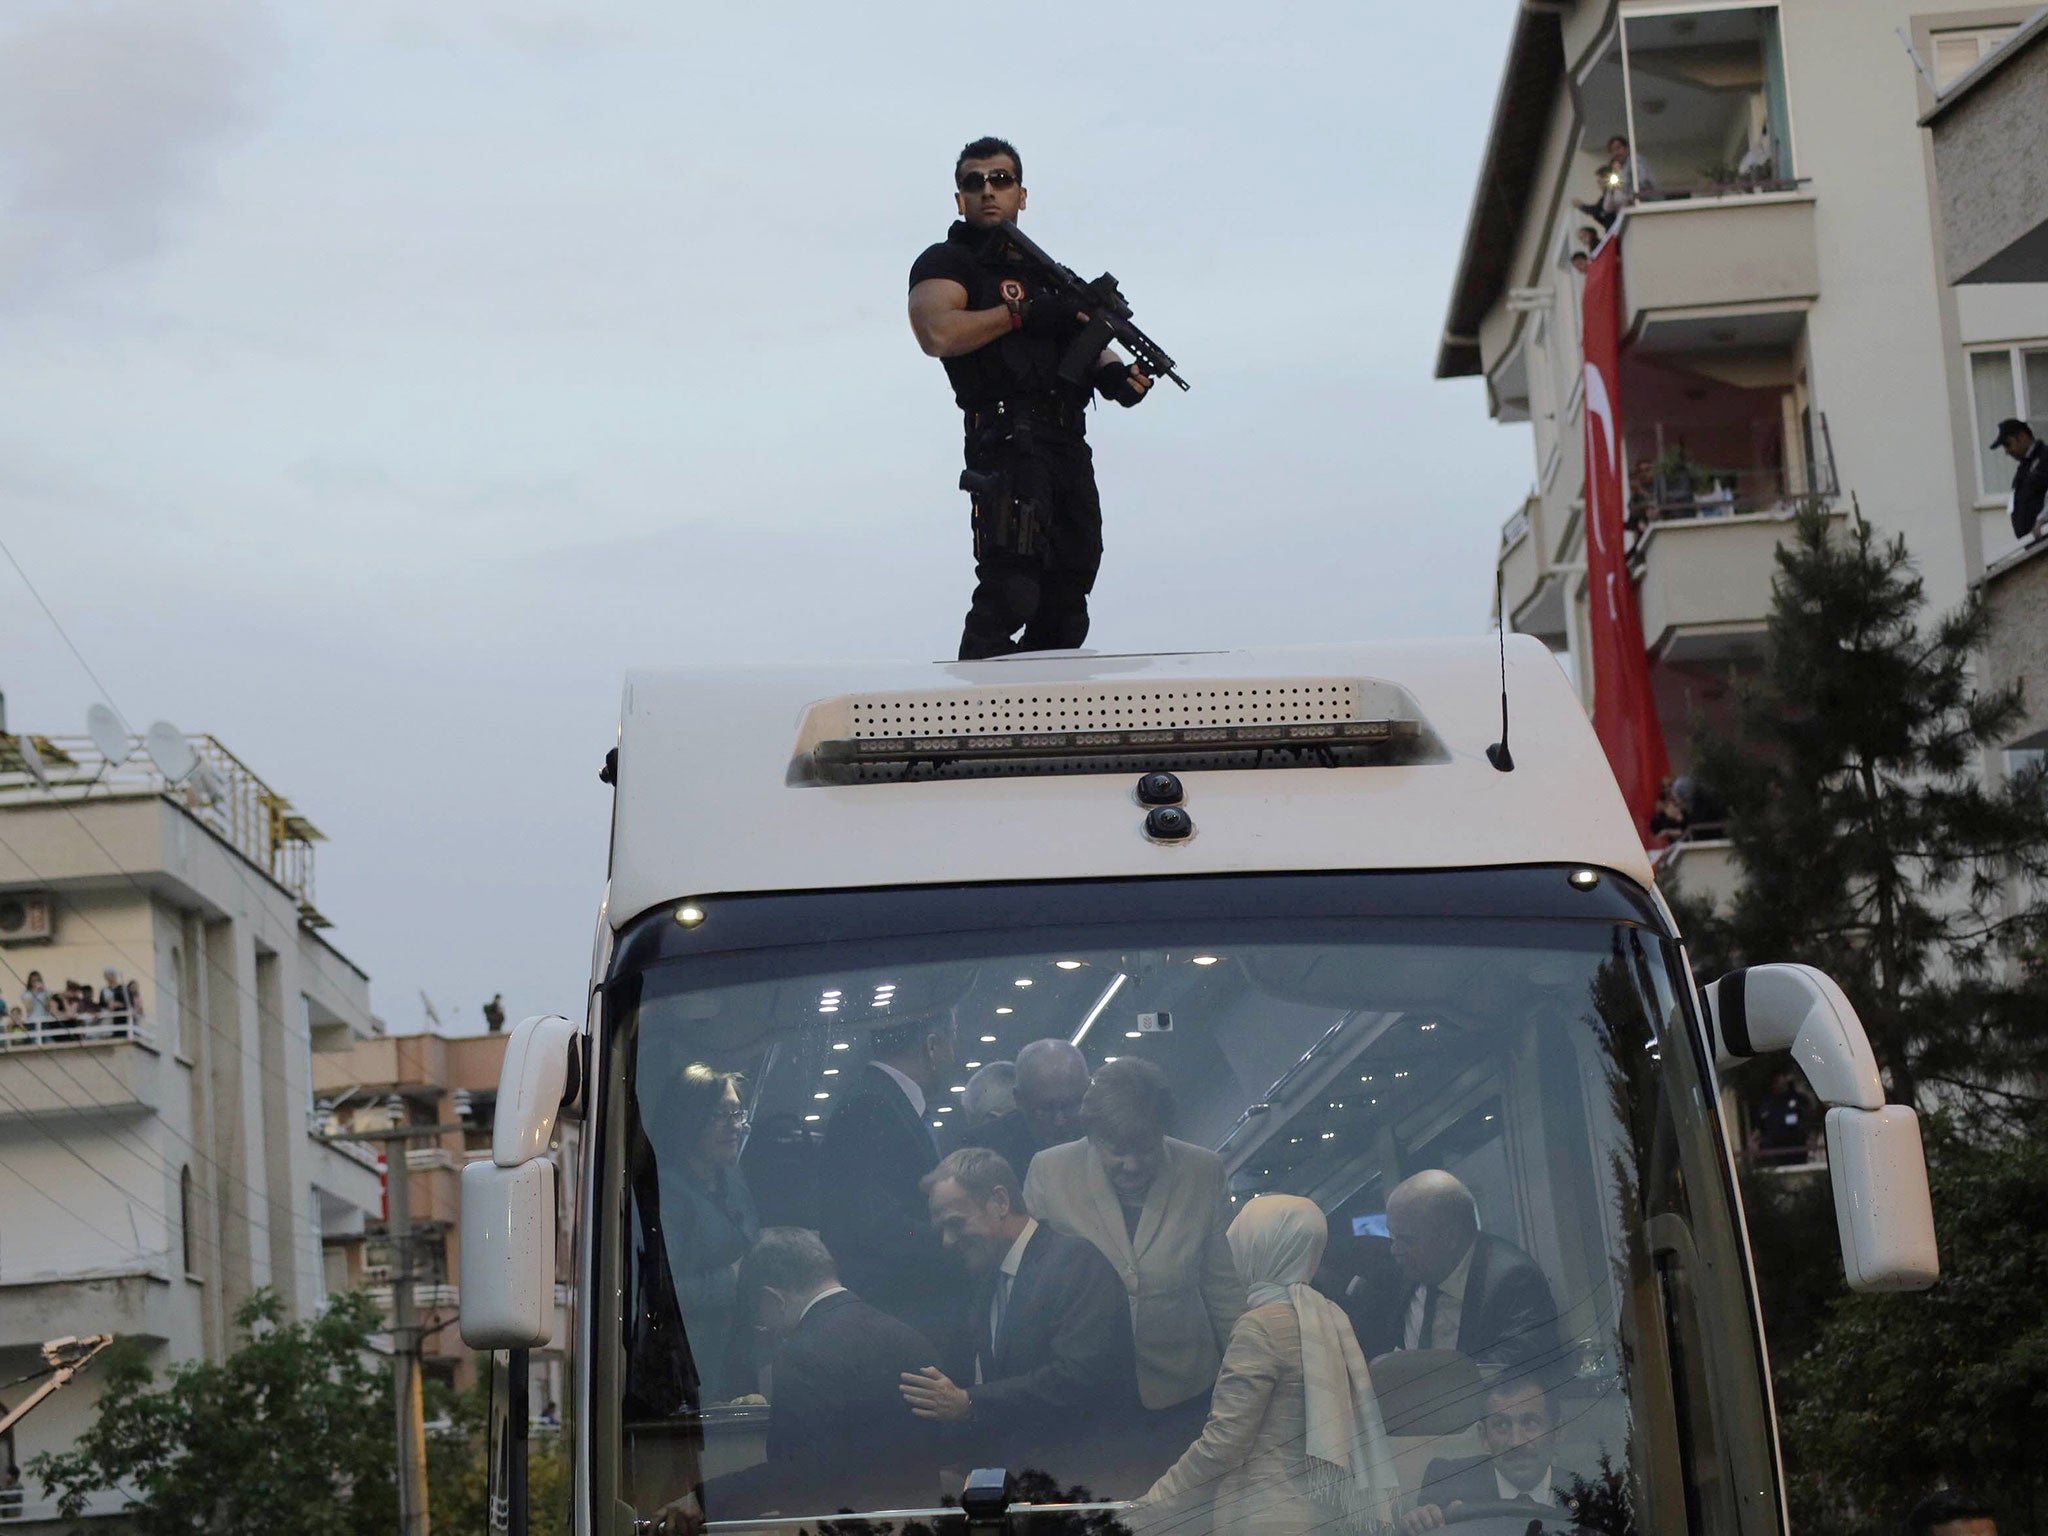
(974, 181)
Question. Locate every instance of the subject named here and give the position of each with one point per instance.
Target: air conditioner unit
(26, 917)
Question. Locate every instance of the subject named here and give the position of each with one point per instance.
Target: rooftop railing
(222, 791)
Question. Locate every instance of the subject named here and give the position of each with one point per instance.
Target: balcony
(1686, 263)
(1705, 588)
(69, 1067)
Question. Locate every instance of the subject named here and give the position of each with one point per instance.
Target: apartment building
(158, 1160)
(1789, 334)
(430, 1080)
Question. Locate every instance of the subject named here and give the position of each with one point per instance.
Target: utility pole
(405, 1333)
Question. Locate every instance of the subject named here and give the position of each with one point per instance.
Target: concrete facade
(156, 1170)
(1789, 339)
(1991, 161)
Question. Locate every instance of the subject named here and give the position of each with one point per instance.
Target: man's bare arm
(945, 326)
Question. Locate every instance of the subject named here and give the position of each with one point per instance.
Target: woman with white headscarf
(1294, 1441)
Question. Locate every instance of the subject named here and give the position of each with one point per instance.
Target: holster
(1009, 518)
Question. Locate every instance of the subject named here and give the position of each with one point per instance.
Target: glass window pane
(1709, 98)
(1955, 55)
(2034, 369)
(1991, 388)
(1545, 1079)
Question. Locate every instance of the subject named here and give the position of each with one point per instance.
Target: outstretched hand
(932, 1395)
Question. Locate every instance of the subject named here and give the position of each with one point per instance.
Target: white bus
(1355, 946)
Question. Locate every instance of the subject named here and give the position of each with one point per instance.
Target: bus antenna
(1498, 754)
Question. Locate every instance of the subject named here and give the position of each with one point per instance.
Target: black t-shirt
(1018, 366)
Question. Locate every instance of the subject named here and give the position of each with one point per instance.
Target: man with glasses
(1001, 335)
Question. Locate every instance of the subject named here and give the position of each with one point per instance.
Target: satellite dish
(170, 751)
(32, 760)
(205, 785)
(108, 734)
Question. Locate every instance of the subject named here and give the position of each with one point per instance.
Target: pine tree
(1868, 841)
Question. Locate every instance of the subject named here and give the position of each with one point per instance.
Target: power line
(61, 632)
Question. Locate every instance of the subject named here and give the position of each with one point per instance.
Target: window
(2006, 382)
(1315, 1037)
(1701, 98)
(185, 1218)
(1957, 53)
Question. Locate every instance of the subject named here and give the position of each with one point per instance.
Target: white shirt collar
(1508, 1491)
(1015, 1256)
(910, 1089)
(830, 1290)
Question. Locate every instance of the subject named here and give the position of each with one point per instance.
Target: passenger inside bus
(1384, 1201)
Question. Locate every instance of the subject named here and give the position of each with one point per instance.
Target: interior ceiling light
(1006, 1010)
(1023, 981)
(1068, 965)
(841, 1045)
(814, 1117)
(1205, 959)
(689, 914)
(988, 1039)
(972, 1065)
(821, 1095)
(831, 1072)
(1134, 1034)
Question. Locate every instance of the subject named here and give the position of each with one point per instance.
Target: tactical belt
(1040, 410)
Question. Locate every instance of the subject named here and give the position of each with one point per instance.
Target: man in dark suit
(1047, 1364)
(1517, 1431)
(1451, 1286)
(839, 1433)
(1051, 1080)
(877, 1146)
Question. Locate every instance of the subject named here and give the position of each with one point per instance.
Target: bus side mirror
(508, 1202)
(1883, 1212)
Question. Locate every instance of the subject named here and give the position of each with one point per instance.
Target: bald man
(1452, 1286)
(1052, 1077)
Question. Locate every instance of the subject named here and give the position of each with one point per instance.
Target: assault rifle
(1109, 317)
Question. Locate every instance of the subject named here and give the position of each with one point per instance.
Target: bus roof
(716, 793)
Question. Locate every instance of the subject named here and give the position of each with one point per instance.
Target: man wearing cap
(2030, 480)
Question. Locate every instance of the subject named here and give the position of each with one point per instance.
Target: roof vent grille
(1104, 707)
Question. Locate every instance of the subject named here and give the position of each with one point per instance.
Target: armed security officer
(1000, 334)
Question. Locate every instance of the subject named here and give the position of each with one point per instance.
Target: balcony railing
(220, 790)
(1675, 487)
(85, 1029)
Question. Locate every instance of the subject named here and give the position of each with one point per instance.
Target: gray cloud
(109, 118)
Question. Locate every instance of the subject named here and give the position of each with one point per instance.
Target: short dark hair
(1501, 1388)
(885, 1044)
(978, 1171)
(1129, 1097)
(987, 148)
(1944, 1506)
(788, 1258)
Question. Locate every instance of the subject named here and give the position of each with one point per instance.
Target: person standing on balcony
(2030, 480)
(35, 1000)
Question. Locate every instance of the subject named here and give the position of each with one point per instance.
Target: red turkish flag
(1624, 711)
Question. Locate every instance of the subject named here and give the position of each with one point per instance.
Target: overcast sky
(379, 380)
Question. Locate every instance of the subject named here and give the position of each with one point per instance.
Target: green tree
(1897, 1395)
(458, 1465)
(1867, 840)
(291, 1432)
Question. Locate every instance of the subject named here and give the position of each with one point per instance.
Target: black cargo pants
(1037, 541)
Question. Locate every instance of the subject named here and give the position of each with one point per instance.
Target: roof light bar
(1044, 744)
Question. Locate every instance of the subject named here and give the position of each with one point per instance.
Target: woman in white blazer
(1156, 1208)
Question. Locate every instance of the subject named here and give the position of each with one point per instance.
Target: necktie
(1427, 1338)
(996, 1312)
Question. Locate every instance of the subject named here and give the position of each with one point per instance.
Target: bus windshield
(1369, 1202)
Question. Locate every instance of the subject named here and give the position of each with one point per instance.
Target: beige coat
(1177, 1270)
(1248, 1468)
